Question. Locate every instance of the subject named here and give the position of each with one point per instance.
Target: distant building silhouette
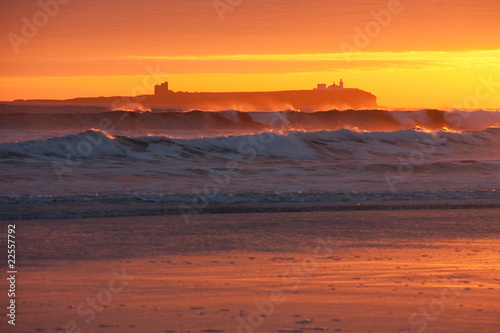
(320, 98)
(322, 86)
(161, 89)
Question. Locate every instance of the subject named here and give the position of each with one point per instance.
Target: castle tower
(161, 89)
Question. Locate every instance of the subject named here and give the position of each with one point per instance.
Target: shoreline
(136, 207)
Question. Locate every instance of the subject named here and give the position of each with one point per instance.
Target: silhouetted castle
(319, 98)
(161, 89)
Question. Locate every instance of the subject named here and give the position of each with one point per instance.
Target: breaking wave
(83, 118)
(89, 161)
(338, 146)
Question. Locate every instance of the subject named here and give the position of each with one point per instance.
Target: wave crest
(289, 145)
(136, 117)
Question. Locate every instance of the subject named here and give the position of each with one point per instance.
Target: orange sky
(428, 53)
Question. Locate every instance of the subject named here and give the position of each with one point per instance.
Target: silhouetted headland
(320, 98)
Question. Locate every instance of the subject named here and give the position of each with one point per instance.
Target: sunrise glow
(250, 166)
(425, 54)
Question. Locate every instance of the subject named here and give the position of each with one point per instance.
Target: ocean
(89, 161)
(202, 221)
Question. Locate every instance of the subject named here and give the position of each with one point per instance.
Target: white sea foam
(319, 146)
(233, 157)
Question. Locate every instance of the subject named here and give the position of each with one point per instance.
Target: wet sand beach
(366, 271)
